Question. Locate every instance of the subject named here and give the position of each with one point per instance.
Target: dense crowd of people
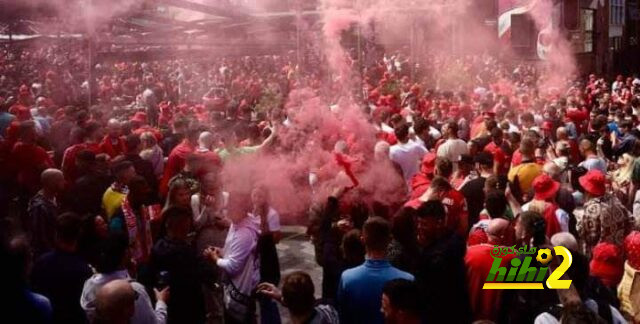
(119, 211)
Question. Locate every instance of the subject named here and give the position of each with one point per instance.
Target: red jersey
(27, 161)
(516, 158)
(175, 164)
(111, 149)
(499, 157)
(419, 185)
(457, 213)
(210, 160)
(69, 159)
(485, 304)
(387, 137)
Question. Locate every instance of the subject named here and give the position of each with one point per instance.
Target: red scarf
(139, 236)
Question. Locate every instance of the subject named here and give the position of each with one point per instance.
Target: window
(616, 12)
(615, 43)
(587, 17)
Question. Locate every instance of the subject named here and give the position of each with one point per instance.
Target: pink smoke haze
(319, 122)
(322, 115)
(560, 61)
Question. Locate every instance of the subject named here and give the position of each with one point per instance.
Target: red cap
(607, 263)
(545, 187)
(632, 249)
(594, 182)
(140, 117)
(428, 163)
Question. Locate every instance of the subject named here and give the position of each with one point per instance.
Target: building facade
(524, 27)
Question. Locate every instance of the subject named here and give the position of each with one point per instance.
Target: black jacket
(441, 279)
(186, 278)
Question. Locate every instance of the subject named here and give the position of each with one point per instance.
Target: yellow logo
(522, 274)
(547, 256)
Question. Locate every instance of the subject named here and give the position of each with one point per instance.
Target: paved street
(295, 252)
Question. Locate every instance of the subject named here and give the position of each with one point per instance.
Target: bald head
(561, 133)
(115, 302)
(206, 140)
(52, 180)
(586, 146)
(565, 239)
(552, 170)
(114, 128)
(498, 231)
(113, 123)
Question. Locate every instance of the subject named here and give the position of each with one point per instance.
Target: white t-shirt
(452, 149)
(273, 219)
(594, 163)
(408, 156)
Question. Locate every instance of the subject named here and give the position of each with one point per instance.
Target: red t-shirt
(516, 158)
(387, 137)
(175, 164)
(456, 206)
(69, 159)
(113, 150)
(419, 185)
(499, 157)
(27, 162)
(552, 224)
(457, 213)
(574, 151)
(485, 304)
(210, 160)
